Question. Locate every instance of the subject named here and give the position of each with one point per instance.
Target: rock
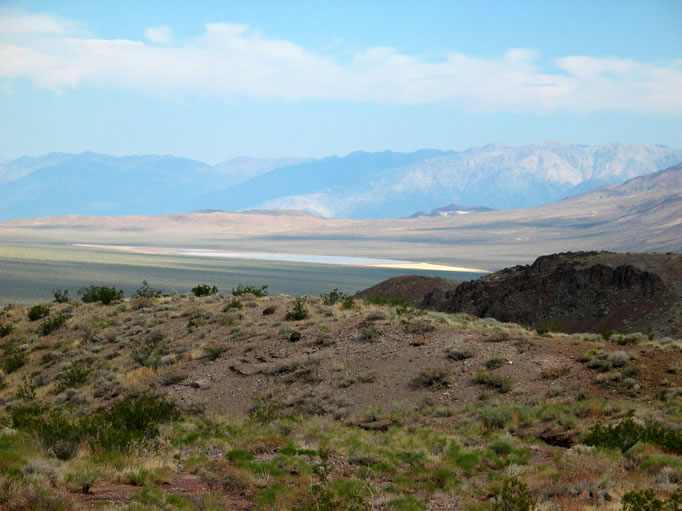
(295, 336)
(269, 310)
(606, 496)
(200, 383)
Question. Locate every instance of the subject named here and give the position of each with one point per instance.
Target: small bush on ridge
(103, 294)
(38, 312)
(255, 291)
(204, 290)
(61, 296)
(146, 291)
(299, 311)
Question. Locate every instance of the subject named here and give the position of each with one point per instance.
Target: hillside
(379, 406)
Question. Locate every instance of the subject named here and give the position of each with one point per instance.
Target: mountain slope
(496, 176)
(319, 176)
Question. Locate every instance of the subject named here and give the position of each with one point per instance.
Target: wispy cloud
(161, 35)
(230, 61)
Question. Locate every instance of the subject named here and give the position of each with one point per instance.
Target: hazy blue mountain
(315, 176)
(496, 176)
(242, 168)
(96, 184)
(359, 185)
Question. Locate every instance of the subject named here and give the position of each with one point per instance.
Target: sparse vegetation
(204, 290)
(258, 292)
(299, 311)
(147, 291)
(61, 296)
(103, 294)
(51, 324)
(347, 411)
(38, 312)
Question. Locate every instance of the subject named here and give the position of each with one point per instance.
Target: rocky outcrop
(561, 292)
(570, 291)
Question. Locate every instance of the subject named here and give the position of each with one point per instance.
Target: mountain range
(360, 185)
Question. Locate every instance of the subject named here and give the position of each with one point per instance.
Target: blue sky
(214, 80)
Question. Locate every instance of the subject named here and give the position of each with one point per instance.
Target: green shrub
(514, 496)
(235, 303)
(13, 361)
(6, 329)
(51, 324)
(431, 377)
(334, 296)
(299, 311)
(503, 385)
(73, 375)
(61, 296)
(646, 500)
(148, 352)
(38, 312)
(255, 291)
(495, 362)
(348, 302)
(131, 421)
(204, 290)
(103, 294)
(495, 417)
(627, 433)
(146, 291)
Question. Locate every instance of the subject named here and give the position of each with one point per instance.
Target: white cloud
(161, 35)
(231, 61)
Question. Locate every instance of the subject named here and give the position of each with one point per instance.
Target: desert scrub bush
(348, 302)
(172, 376)
(148, 351)
(495, 416)
(334, 296)
(103, 294)
(431, 377)
(555, 372)
(299, 311)
(495, 362)
(73, 375)
(235, 303)
(146, 291)
(513, 496)
(618, 358)
(503, 385)
(61, 296)
(38, 312)
(259, 292)
(627, 433)
(646, 500)
(131, 421)
(457, 353)
(26, 391)
(13, 361)
(6, 329)
(51, 324)
(204, 290)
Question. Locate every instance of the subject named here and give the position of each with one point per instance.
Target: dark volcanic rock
(558, 291)
(571, 292)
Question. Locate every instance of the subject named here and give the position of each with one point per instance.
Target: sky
(212, 80)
